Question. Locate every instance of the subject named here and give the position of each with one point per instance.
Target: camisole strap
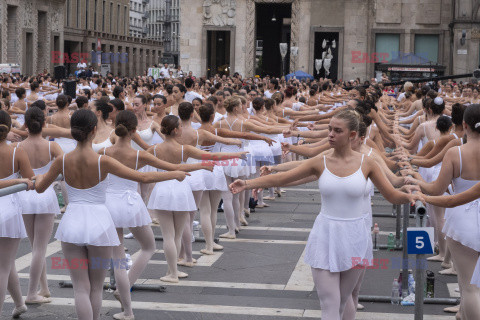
(49, 154)
(283, 110)
(370, 152)
(182, 152)
(104, 150)
(220, 123)
(324, 162)
(460, 155)
(63, 168)
(241, 126)
(13, 161)
(99, 171)
(136, 162)
(363, 157)
(216, 132)
(455, 135)
(155, 150)
(197, 136)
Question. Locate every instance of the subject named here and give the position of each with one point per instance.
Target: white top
(81, 65)
(190, 95)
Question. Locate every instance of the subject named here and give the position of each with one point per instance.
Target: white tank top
(343, 197)
(146, 135)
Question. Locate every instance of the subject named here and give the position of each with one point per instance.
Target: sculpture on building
(219, 12)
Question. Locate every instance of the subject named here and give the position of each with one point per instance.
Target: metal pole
(197, 239)
(419, 273)
(135, 287)
(398, 225)
(19, 187)
(388, 299)
(406, 215)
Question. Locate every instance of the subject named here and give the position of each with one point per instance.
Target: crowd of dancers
(133, 152)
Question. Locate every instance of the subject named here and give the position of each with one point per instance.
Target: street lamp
(294, 52)
(283, 53)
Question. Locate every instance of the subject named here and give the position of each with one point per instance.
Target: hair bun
(121, 130)
(78, 133)
(4, 130)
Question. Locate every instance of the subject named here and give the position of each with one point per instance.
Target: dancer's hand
(243, 155)
(238, 142)
(28, 182)
(269, 141)
(266, 170)
(287, 133)
(208, 165)
(412, 198)
(311, 126)
(410, 180)
(410, 188)
(285, 147)
(237, 186)
(13, 137)
(181, 175)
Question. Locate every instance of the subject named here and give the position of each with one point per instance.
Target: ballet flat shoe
(18, 311)
(122, 316)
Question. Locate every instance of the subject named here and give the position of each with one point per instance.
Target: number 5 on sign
(420, 240)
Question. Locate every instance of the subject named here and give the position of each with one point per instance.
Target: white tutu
(11, 220)
(215, 180)
(196, 178)
(261, 151)
(462, 224)
(39, 203)
(66, 144)
(338, 244)
(172, 195)
(87, 224)
(476, 274)
(127, 209)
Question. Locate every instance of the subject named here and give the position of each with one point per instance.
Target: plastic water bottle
(391, 242)
(430, 285)
(411, 283)
(395, 292)
(376, 231)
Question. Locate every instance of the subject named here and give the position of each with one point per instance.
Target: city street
(260, 275)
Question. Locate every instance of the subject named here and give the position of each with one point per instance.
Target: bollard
(419, 272)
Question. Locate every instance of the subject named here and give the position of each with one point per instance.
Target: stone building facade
(30, 30)
(105, 25)
(329, 35)
(138, 18)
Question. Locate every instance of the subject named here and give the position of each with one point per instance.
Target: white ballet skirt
(340, 238)
(462, 223)
(87, 220)
(234, 167)
(125, 204)
(66, 144)
(196, 178)
(11, 220)
(172, 195)
(476, 274)
(276, 146)
(261, 152)
(40, 203)
(214, 180)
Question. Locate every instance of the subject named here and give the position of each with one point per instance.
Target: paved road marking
(301, 190)
(202, 261)
(270, 229)
(237, 310)
(451, 290)
(264, 241)
(25, 261)
(301, 277)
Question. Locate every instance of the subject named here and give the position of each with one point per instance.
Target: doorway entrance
(326, 49)
(273, 28)
(218, 52)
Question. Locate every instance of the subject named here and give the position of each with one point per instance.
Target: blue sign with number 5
(420, 240)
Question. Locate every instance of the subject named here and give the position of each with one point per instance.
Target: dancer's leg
(39, 230)
(97, 277)
(465, 260)
(145, 190)
(206, 221)
(328, 290)
(350, 282)
(14, 286)
(80, 280)
(186, 248)
(215, 197)
(8, 251)
(146, 238)
(121, 277)
(228, 209)
(439, 214)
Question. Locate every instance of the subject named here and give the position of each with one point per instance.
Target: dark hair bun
(4, 130)
(169, 123)
(5, 124)
(82, 123)
(121, 130)
(34, 120)
(444, 123)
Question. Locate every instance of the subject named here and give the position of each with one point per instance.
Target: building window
(95, 16)
(118, 19)
(387, 46)
(103, 16)
(78, 14)
(111, 10)
(125, 19)
(68, 13)
(426, 46)
(87, 4)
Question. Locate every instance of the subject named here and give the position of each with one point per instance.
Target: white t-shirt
(401, 96)
(268, 94)
(81, 65)
(190, 95)
(164, 73)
